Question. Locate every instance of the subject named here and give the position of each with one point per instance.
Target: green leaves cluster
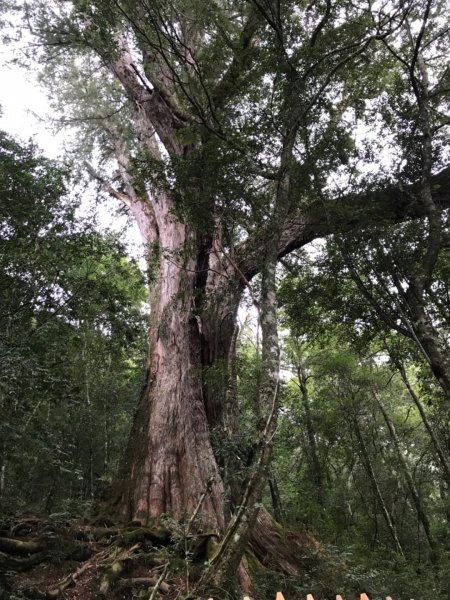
(71, 341)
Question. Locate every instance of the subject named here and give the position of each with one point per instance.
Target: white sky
(24, 107)
(19, 98)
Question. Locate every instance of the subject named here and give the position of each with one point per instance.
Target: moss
(154, 535)
(255, 567)
(211, 547)
(116, 569)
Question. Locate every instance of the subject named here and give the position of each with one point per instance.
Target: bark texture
(170, 461)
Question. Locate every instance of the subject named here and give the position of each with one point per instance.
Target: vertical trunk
(225, 562)
(376, 488)
(316, 467)
(276, 498)
(415, 496)
(445, 465)
(170, 462)
(87, 395)
(428, 339)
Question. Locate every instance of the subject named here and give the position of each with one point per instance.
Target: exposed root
(138, 562)
(14, 563)
(282, 549)
(136, 582)
(14, 546)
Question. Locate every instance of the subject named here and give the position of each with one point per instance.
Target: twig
(158, 583)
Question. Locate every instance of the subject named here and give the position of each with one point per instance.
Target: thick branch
(347, 214)
(151, 101)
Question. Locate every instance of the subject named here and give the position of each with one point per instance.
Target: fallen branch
(159, 582)
(69, 581)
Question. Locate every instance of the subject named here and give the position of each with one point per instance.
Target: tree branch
(348, 213)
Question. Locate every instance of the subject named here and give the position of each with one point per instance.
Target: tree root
(281, 549)
(115, 565)
(56, 592)
(14, 563)
(134, 582)
(131, 534)
(14, 546)
(133, 558)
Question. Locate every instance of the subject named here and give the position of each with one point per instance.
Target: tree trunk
(169, 461)
(376, 488)
(445, 465)
(427, 338)
(316, 467)
(415, 496)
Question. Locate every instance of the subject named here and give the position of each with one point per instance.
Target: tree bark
(169, 461)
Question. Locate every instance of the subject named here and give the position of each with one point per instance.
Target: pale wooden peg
(279, 596)
(364, 597)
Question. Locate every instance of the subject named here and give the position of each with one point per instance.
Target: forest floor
(77, 560)
(85, 559)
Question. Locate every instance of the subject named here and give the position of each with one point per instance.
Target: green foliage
(71, 340)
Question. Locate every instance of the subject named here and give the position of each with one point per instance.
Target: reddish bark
(170, 461)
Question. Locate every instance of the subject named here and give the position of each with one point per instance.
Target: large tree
(236, 132)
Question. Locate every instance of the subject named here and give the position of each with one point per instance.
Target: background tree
(71, 343)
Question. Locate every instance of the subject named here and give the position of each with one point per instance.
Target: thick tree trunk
(170, 462)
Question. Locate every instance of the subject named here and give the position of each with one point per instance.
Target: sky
(24, 109)
(24, 106)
